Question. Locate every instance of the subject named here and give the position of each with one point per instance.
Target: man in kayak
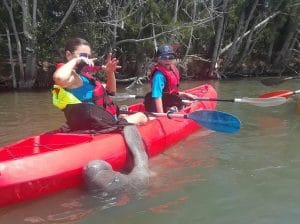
(99, 177)
(84, 100)
(164, 81)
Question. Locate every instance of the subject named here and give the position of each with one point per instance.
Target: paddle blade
(279, 93)
(216, 120)
(263, 102)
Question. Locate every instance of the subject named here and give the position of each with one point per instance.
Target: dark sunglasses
(167, 57)
(86, 55)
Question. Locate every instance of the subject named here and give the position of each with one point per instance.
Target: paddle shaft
(295, 92)
(175, 115)
(215, 99)
(288, 94)
(195, 99)
(253, 101)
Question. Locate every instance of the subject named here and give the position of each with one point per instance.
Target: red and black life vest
(172, 77)
(100, 96)
(170, 95)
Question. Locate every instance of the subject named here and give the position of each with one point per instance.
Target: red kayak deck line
(47, 163)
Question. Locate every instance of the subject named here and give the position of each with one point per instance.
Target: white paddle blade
(263, 102)
(122, 96)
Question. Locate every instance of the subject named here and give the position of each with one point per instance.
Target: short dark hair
(73, 43)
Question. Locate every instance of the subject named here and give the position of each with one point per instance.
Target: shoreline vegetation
(218, 39)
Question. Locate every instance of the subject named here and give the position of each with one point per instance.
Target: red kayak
(47, 163)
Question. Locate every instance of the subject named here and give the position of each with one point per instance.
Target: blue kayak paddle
(216, 120)
(210, 119)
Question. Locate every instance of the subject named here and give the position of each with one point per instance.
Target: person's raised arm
(66, 76)
(110, 68)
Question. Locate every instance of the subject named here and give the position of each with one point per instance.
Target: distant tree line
(213, 38)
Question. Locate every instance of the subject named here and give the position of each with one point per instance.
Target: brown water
(209, 178)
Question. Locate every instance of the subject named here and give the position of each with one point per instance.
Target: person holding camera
(84, 100)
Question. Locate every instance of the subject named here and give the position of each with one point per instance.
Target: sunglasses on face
(167, 57)
(86, 55)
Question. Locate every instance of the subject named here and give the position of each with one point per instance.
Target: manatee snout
(97, 175)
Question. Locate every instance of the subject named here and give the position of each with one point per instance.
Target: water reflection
(24, 114)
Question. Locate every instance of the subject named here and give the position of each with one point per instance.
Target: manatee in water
(100, 177)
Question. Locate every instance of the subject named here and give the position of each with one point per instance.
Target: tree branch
(248, 32)
(73, 3)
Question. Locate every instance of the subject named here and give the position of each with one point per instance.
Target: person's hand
(111, 64)
(86, 61)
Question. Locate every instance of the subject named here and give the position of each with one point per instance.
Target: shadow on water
(249, 177)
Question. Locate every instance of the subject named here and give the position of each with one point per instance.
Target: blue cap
(165, 52)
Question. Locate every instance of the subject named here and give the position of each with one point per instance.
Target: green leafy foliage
(128, 26)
